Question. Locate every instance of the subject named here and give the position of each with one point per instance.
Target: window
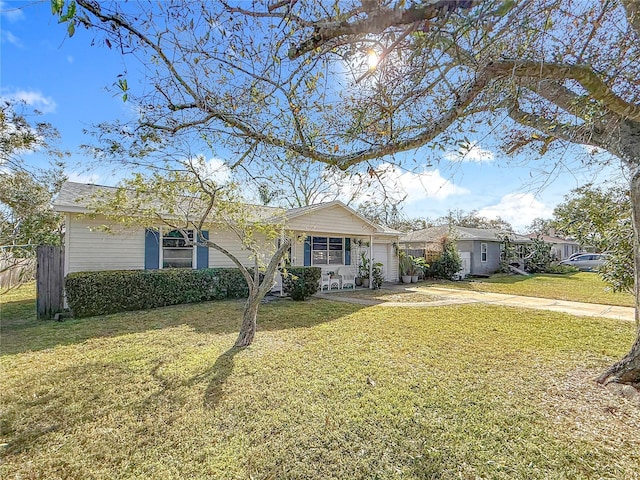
(177, 252)
(483, 252)
(327, 251)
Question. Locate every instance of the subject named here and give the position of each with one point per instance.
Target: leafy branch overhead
(568, 73)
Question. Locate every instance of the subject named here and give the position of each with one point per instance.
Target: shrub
(301, 282)
(378, 278)
(99, 293)
(449, 263)
(422, 265)
(560, 269)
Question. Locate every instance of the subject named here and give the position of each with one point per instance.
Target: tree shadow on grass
(22, 333)
(216, 377)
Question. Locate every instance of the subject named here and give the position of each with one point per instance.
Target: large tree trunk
(257, 291)
(249, 319)
(627, 370)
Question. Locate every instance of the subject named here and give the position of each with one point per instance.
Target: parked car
(587, 262)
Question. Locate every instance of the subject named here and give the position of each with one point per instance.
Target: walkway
(452, 296)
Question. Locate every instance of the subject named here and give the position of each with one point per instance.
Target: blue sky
(68, 79)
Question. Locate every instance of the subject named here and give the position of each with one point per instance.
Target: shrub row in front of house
(100, 293)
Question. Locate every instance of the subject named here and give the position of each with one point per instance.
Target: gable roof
(76, 197)
(309, 209)
(434, 234)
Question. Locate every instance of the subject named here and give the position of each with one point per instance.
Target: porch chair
(348, 276)
(329, 282)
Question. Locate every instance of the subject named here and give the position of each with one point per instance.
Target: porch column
(370, 261)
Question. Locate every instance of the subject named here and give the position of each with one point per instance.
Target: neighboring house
(330, 235)
(480, 249)
(561, 248)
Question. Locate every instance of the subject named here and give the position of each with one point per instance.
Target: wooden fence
(15, 270)
(49, 281)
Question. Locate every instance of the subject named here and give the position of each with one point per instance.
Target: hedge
(99, 293)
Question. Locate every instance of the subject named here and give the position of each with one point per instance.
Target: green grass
(578, 287)
(328, 390)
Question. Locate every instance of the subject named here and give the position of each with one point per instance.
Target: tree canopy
(600, 218)
(354, 81)
(26, 216)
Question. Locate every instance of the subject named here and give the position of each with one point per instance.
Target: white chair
(348, 277)
(329, 282)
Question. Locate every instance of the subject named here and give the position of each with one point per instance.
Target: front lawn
(329, 390)
(578, 287)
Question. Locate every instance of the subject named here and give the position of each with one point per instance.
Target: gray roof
(434, 234)
(554, 239)
(76, 198)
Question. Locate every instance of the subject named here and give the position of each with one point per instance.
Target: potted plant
(378, 278)
(414, 272)
(405, 265)
(364, 270)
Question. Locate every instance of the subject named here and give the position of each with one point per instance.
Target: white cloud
(213, 169)
(9, 37)
(11, 12)
(83, 177)
(34, 99)
(519, 209)
(470, 152)
(413, 186)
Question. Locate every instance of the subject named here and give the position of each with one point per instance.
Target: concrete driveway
(452, 296)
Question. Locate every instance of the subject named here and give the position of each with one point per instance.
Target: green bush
(560, 269)
(100, 293)
(449, 263)
(301, 282)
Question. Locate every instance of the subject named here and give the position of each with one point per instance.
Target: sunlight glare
(372, 59)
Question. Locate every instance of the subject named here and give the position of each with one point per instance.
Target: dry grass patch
(328, 391)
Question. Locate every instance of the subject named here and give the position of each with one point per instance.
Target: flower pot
(365, 282)
(358, 281)
(414, 278)
(406, 278)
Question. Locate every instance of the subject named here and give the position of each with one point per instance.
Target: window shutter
(202, 254)
(307, 252)
(347, 251)
(151, 249)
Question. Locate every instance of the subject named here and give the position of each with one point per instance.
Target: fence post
(49, 281)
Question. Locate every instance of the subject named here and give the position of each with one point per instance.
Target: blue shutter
(347, 251)
(202, 255)
(307, 252)
(151, 249)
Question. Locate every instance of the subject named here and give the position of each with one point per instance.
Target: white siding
(334, 219)
(89, 249)
(297, 251)
(230, 242)
(385, 254)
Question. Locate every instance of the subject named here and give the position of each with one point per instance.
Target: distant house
(481, 249)
(561, 248)
(329, 235)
